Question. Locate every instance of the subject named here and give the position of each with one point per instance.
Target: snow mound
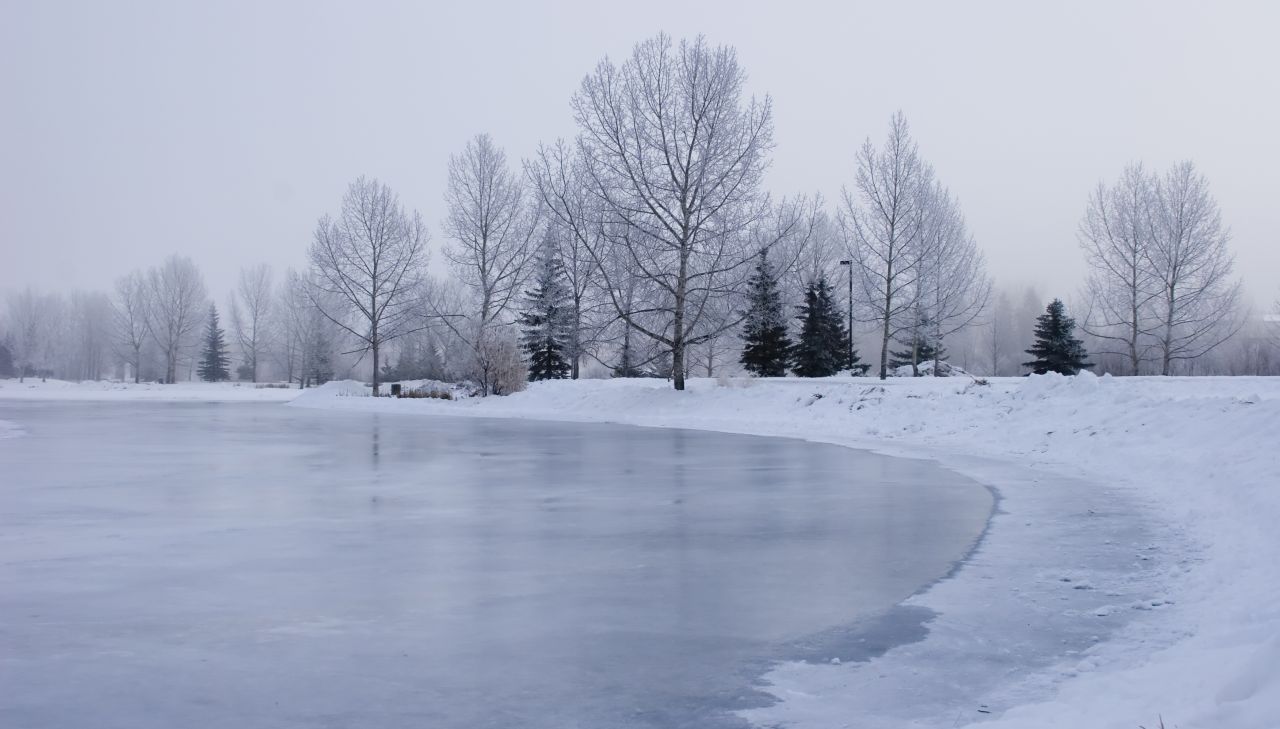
(355, 395)
(10, 429)
(945, 369)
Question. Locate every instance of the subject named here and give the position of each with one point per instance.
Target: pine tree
(214, 361)
(319, 367)
(918, 348)
(1056, 349)
(626, 366)
(824, 345)
(546, 322)
(766, 349)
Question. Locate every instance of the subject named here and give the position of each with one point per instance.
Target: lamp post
(849, 263)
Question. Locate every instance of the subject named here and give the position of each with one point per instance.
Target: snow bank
(34, 389)
(1202, 455)
(350, 391)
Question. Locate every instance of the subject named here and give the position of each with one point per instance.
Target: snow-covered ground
(1200, 640)
(34, 389)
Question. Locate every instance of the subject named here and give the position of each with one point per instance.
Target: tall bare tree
(370, 260)
(251, 314)
(33, 321)
(574, 220)
(1197, 297)
(129, 317)
(953, 288)
(88, 335)
(880, 222)
(675, 158)
(492, 228)
(176, 304)
(1116, 236)
(306, 338)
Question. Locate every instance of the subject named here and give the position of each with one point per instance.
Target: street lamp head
(846, 263)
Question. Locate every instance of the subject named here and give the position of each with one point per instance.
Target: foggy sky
(130, 130)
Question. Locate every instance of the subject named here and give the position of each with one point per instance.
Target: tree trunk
(577, 338)
(677, 334)
(1167, 344)
(888, 312)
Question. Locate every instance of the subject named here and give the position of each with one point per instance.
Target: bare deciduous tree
(1116, 237)
(1160, 269)
(88, 335)
(492, 228)
(953, 287)
(675, 160)
(176, 304)
(129, 316)
(881, 228)
(250, 311)
(306, 337)
(575, 221)
(33, 321)
(1196, 299)
(370, 260)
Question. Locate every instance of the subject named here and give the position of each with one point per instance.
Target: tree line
(647, 244)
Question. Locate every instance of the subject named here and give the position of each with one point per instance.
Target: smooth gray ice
(250, 565)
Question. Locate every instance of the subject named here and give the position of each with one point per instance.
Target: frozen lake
(250, 565)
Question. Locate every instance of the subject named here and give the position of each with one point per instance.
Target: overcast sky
(130, 130)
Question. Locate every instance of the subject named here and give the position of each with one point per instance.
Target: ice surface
(1177, 477)
(234, 565)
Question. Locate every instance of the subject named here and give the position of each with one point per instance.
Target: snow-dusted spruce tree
(1196, 296)
(6, 358)
(129, 320)
(918, 347)
(33, 321)
(175, 307)
(546, 324)
(675, 158)
(367, 265)
(822, 348)
(214, 360)
(1116, 235)
(1056, 348)
(766, 348)
(880, 222)
(251, 316)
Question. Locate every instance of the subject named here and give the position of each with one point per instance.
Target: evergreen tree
(214, 361)
(319, 369)
(626, 366)
(1056, 349)
(546, 323)
(6, 361)
(823, 347)
(918, 348)
(766, 349)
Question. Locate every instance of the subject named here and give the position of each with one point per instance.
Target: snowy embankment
(35, 389)
(1196, 640)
